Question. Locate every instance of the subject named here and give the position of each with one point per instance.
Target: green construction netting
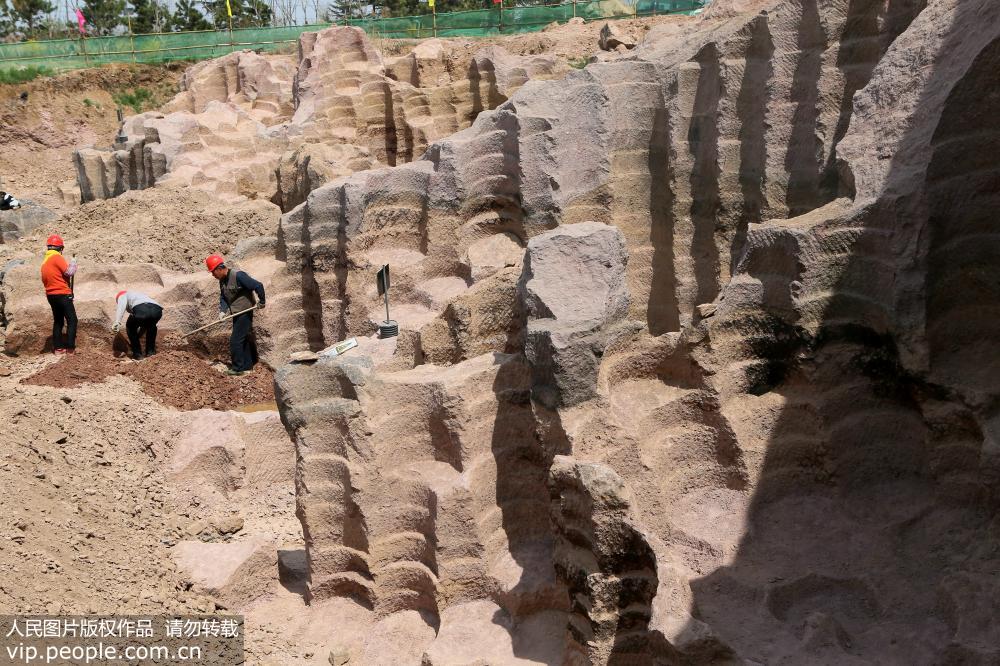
(492, 22)
(64, 54)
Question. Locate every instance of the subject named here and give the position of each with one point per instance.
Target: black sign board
(383, 280)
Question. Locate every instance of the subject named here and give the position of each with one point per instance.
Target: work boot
(59, 351)
(233, 372)
(136, 357)
(150, 353)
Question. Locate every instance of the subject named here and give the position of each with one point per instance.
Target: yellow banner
(229, 9)
(430, 3)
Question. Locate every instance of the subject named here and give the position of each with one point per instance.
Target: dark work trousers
(242, 348)
(143, 319)
(63, 314)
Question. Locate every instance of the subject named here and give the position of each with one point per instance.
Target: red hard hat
(213, 261)
(118, 295)
(55, 240)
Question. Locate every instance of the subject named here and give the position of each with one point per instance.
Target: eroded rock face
(273, 127)
(612, 37)
(406, 517)
(211, 136)
(607, 564)
(222, 150)
(262, 85)
(574, 290)
(575, 275)
(759, 460)
(311, 165)
(486, 317)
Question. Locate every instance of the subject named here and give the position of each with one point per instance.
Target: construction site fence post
(131, 37)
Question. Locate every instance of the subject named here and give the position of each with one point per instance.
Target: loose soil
(84, 516)
(177, 376)
(169, 228)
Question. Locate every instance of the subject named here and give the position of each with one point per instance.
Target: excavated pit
(696, 362)
(181, 375)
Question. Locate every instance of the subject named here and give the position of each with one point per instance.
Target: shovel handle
(219, 321)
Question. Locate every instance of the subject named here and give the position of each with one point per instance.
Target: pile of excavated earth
(697, 363)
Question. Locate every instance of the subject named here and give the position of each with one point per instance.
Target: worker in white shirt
(144, 314)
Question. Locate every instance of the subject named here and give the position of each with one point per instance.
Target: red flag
(81, 21)
(497, 2)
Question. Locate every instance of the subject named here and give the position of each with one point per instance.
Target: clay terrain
(698, 357)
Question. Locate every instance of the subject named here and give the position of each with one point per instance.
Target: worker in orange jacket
(57, 277)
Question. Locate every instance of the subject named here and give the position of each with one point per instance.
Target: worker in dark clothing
(57, 277)
(143, 315)
(238, 293)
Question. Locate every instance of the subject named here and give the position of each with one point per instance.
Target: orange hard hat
(55, 240)
(213, 261)
(118, 295)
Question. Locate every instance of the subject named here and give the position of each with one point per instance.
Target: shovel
(219, 321)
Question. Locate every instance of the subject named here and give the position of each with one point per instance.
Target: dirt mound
(179, 378)
(82, 505)
(54, 112)
(165, 227)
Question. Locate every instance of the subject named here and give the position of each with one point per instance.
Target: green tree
(6, 20)
(418, 7)
(103, 16)
(30, 12)
(149, 16)
(338, 10)
(254, 13)
(188, 17)
(57, 28)
(389, 8)
(246, 13)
